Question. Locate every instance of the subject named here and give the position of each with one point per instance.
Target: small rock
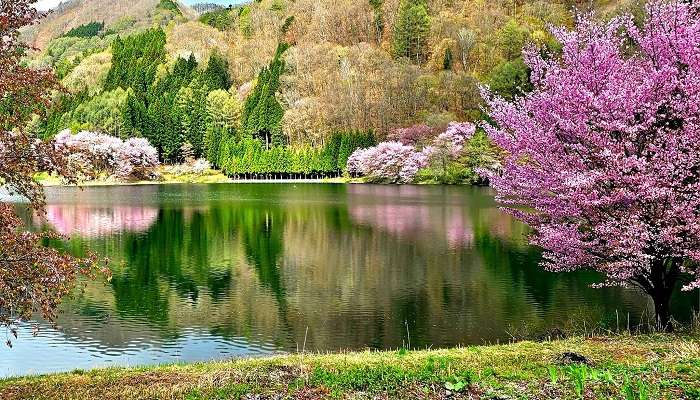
(573, 358)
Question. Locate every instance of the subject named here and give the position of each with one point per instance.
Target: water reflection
(88, 221)
(223, 270)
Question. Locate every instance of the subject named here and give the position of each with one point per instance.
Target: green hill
(368, 65)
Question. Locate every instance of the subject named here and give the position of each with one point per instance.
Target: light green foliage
(102, 113)
(169, 5)
(222, 19)
(511, 39)
(510, 79)
(250, 156)
(245, 25)
(411, 30)
(223, 122)
(90, 74)
(224, 109)
(478, 152)
(121, 25)
(65, 53)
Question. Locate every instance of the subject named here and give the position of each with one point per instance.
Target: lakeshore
(629, 367)
(166, 177)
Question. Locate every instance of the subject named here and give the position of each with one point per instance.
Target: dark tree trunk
(662, 308)
(659, 285)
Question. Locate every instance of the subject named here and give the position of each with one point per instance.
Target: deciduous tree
(603, 157)
(33, 278)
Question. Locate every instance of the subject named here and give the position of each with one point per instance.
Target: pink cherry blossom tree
(133, 159)
(449, 145)
(388, 162)
(603, 157)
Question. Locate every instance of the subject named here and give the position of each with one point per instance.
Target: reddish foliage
(33, 278)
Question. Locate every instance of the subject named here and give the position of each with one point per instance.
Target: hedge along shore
(212, 176)
(619, 367)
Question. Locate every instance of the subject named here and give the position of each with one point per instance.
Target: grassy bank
(623, 367)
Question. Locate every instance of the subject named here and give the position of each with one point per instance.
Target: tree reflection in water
(353, 263)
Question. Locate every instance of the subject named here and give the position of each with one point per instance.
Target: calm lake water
(217, 271)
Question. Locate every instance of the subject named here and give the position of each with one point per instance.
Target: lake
(205, 272)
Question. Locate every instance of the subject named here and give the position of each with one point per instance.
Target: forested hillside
(275, 86)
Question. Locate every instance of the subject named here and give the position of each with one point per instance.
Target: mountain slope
(75, 13)
(372, 65)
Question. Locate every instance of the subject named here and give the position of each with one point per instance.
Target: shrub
(201, 166)
(450, 158)
(221, 19)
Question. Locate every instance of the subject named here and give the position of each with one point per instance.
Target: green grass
(622, 367)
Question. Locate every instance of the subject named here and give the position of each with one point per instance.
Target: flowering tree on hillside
(448, 146)
(33, 278)
(413, 135)
(603, 157)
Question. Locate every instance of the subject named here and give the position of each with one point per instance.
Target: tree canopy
(603, 157)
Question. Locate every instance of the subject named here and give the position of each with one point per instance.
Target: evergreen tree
(171, 138)
(190, 104)
(134, 116)
(86, 31)
(135, 60)
(411, 30)
(216, 75)
(262, 112)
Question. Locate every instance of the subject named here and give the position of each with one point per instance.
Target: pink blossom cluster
(603, 157)
(98, 147)
(390, 162)
(134, 158)
(396, 162)
(449, 144)
(97, 221)
(413, 135)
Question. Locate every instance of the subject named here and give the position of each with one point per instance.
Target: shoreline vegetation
(168, 177)
(653, 366)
